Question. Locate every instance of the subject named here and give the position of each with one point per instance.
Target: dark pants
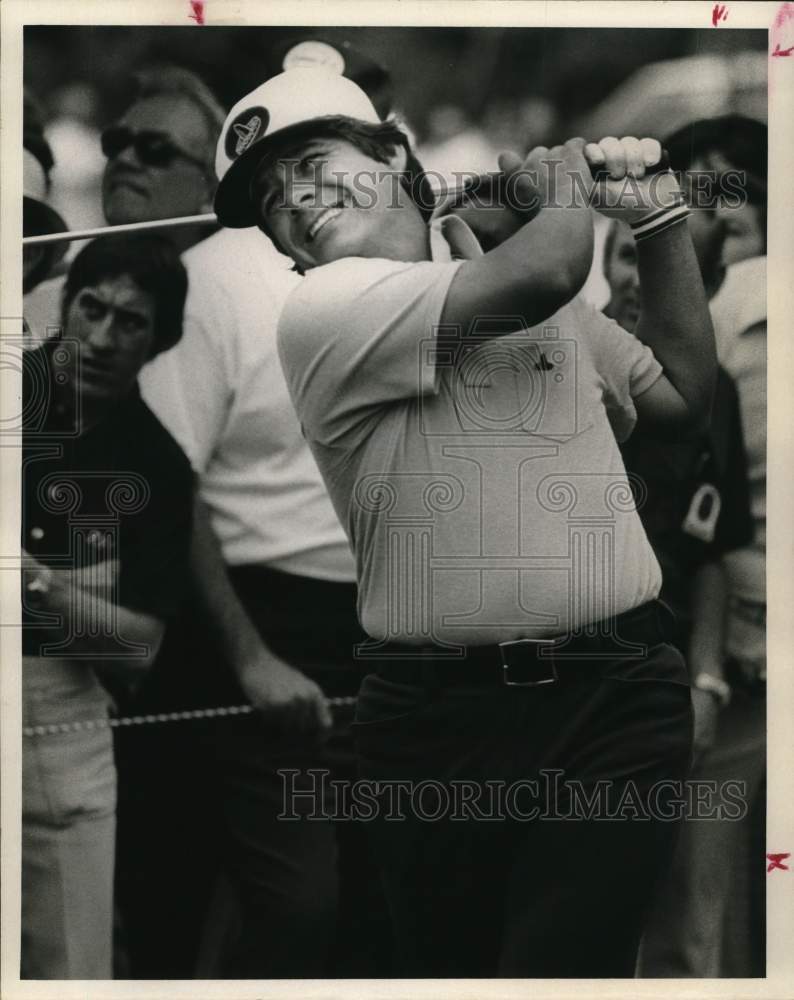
(473, 896)
(200, 798)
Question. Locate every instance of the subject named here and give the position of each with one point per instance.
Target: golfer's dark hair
(379, 142)
(151, 262)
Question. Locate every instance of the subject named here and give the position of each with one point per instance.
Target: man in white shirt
(463, 412)
(270, 551)
(271, 622)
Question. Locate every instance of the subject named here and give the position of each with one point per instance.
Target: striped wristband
(661, 219)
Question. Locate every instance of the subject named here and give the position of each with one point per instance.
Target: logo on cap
(245, 130)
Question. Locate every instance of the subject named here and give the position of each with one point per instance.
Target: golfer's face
(328, 200)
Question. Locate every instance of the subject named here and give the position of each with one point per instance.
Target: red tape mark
(776, 861)
(720, 13)
(197, 7)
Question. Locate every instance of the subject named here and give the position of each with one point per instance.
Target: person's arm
(289, 698)
(709, 603)
(72, 593)
(362, 332)
(709, 599)
(675, 321)
(557, 243)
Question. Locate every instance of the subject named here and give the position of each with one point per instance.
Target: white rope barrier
(131, 227)
(88, 725)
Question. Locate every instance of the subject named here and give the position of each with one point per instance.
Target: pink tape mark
(785, 13)
(197, 7)
(782, 20)
(776, 861)
(720, 13)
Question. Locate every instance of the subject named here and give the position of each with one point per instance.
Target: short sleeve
(626, 367)
(355, 336)
(170, 383)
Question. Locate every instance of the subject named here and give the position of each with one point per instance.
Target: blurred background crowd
(465, 93)
(205, 880)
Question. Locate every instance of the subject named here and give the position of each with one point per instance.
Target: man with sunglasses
(160, 153)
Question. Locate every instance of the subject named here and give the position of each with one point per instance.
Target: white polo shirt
(482, 488)
(222, 395)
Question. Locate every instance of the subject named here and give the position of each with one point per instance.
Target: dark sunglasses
(153, 149)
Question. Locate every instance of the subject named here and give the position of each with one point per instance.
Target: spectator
(720, 157)
(709, 923)
(75, 139)
(273, 603)
(159, 153)
(455, 147)
(693, 499)
(105, 533)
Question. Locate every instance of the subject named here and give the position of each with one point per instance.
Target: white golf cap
(299, 95)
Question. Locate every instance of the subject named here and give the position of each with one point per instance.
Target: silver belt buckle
(507, 648)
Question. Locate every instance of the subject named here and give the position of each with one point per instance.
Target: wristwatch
(715, 686)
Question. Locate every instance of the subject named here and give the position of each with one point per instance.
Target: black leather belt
(531, 662)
